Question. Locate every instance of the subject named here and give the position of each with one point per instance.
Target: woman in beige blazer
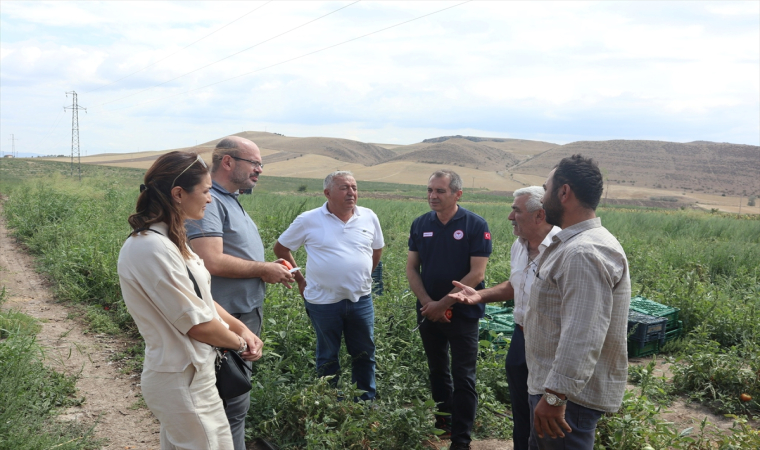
(180, 328)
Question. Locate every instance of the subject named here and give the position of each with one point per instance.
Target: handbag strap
(222, 355)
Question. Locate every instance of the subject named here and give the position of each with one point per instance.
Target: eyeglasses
(198, 159)
(255, 164)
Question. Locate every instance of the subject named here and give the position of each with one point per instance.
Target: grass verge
(31, 394)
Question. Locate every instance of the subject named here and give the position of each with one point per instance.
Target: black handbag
(233, 376)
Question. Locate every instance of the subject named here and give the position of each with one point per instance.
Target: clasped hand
(255, 347)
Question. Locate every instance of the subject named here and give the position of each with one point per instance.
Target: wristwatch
(554, 400)
(243, 345)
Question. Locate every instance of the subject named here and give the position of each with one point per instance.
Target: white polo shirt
(339, 255)
(523, 271)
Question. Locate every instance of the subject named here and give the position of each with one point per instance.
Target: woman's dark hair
(583, 177)
(155, 204)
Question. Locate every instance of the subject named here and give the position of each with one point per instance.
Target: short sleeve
(377, 242)
(212, 223)
(412, 238)
(480, 239)
(293, 237)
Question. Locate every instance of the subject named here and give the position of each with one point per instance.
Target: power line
(230, 56)
(293, 59)
(41, 141)
(183, 48)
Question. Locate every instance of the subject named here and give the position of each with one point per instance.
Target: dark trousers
(517, 377)
(236, 408)
(582, 420)
(453, 389)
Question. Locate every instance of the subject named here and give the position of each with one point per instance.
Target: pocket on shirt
(548, 299)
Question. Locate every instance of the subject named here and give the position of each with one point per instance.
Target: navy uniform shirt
(445, 252)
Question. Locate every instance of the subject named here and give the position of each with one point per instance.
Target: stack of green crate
(501, 321)
(673, 329)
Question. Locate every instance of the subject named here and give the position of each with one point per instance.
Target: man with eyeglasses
(534, 235)
(228, 241)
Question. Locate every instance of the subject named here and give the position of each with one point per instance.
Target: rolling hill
(700, 172)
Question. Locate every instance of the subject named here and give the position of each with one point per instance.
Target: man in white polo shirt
(343, 245)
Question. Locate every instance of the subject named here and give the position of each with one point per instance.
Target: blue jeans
(355, 321)
(453, 388)
(582, 420)
(517, 377)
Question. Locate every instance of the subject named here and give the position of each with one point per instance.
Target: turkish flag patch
(487, 235)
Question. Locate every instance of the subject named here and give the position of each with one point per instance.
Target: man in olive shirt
(577, 315)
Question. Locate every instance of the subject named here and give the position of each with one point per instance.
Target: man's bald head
(231, 145)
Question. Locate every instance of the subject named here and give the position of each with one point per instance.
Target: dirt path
(110, 396)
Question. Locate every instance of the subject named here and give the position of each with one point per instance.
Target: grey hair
(336, 174)
(534, 193)
(455, 181)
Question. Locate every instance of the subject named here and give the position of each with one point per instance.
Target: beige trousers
(189, 408)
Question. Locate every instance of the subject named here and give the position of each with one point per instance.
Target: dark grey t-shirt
(226, 218)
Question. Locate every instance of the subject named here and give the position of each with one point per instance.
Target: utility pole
(75, 132)
(13, 146)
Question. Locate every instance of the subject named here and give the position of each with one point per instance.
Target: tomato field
(705, 264)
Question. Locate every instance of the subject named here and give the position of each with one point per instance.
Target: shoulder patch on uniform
(487, 235)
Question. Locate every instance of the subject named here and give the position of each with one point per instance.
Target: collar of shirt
(328, 213)
(221, 190)
(572, 231)
(161, 227)
(458, 215)
(218, 187)
(545, 243)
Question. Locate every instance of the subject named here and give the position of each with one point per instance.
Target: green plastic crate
(492, 311)
(674, 333)
(644, 328)
(650, 348)
(652, 308)
(503, 324)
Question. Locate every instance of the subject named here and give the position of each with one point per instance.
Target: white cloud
(502, 68)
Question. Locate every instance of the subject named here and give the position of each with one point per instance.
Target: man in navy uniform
(449, 244)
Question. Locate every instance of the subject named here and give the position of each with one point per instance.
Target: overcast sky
(153, 76)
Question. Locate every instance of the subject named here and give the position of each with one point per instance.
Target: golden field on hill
(697, 174)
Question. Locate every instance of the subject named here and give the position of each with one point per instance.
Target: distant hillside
(463, 153)
(699, 166)
(340, 149)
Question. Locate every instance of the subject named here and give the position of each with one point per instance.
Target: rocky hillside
(700, 166)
